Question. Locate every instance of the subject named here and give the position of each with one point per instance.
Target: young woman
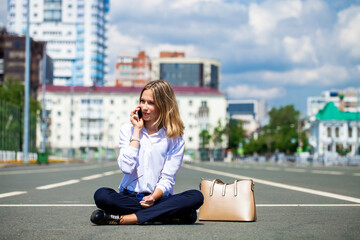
(151, 152)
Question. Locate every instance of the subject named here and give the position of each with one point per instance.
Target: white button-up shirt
(153, 165)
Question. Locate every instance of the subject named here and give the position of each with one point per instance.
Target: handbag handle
(224, 187)
(235, 188)
(213, 184)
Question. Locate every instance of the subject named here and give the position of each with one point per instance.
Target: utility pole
(43, 115)
(357, 122)
(27, 87)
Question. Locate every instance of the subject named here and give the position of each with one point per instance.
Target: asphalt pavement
(293, 202)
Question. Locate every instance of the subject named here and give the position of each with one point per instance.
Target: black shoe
(99, 217)
(189, 218)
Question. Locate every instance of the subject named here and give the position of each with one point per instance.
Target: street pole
(43, 116)
(357, 122)
(71, 114)
(27, 88)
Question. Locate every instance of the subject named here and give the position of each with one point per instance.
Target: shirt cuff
(132, 150)
(163, 189)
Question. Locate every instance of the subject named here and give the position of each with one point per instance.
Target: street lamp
(357, 123)
(27, 87)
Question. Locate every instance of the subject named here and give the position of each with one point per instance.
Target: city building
(93, 121)
(252, 113)
(182, 71)
(12, 61)
(345, 100)
(333, 131)
(75, 32)
(133, 70)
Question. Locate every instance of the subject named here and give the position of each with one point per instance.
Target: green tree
(12, 108)
(218, 134)
(282, 131)
(236, 134)
(281, 134)
(12, 91)
(205, 138)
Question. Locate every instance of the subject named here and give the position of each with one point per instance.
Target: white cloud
(247, 91)
(184, 4)
(326, 75)
(189, 50)
(300, 50)
(349, 30)
(265, 17)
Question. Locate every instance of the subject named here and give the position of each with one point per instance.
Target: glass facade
(214, 81)
(52, 10)
(241, 108)
(182, 74)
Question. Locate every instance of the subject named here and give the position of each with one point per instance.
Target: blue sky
(280, 50)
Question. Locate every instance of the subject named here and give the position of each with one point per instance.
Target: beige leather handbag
(228, 202)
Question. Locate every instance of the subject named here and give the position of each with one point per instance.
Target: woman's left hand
(147, 201)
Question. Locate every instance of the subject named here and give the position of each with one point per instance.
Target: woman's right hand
(134, 118)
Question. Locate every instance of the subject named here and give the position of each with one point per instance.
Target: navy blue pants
(171, 206)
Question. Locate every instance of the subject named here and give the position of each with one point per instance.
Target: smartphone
(139, 113)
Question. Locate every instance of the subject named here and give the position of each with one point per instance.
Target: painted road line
(10, 194)
(60, 184)
(109, 173)
(272, 169)
(307, 205)
(294, 170)
(257, 205)
(357, 174)
(47, 170)
(91, 177)
(327, 172)
(47, 205)
(275, 184)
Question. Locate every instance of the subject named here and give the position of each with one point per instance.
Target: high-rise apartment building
(75, 32)
(12, 61)
(133, 70)
(182, 71)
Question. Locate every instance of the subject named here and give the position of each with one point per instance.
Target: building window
(329, 148)
(52, 10)
(350, 132)
(59, 113)
(337, 132)
(329, 132)
(190, 139)
(111, 102)
(190, 102)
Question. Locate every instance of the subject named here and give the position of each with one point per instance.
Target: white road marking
(109, 173)
(10, 194)
(47, 170)
(357, 174)
(307, 205)
(47, 205)
(294, 170)
(91, 177)
(272, 169)
(327, 172)
(275, 184)
(257, 205)
(60, 184)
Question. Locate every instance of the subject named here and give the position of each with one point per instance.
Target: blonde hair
(165, 100)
